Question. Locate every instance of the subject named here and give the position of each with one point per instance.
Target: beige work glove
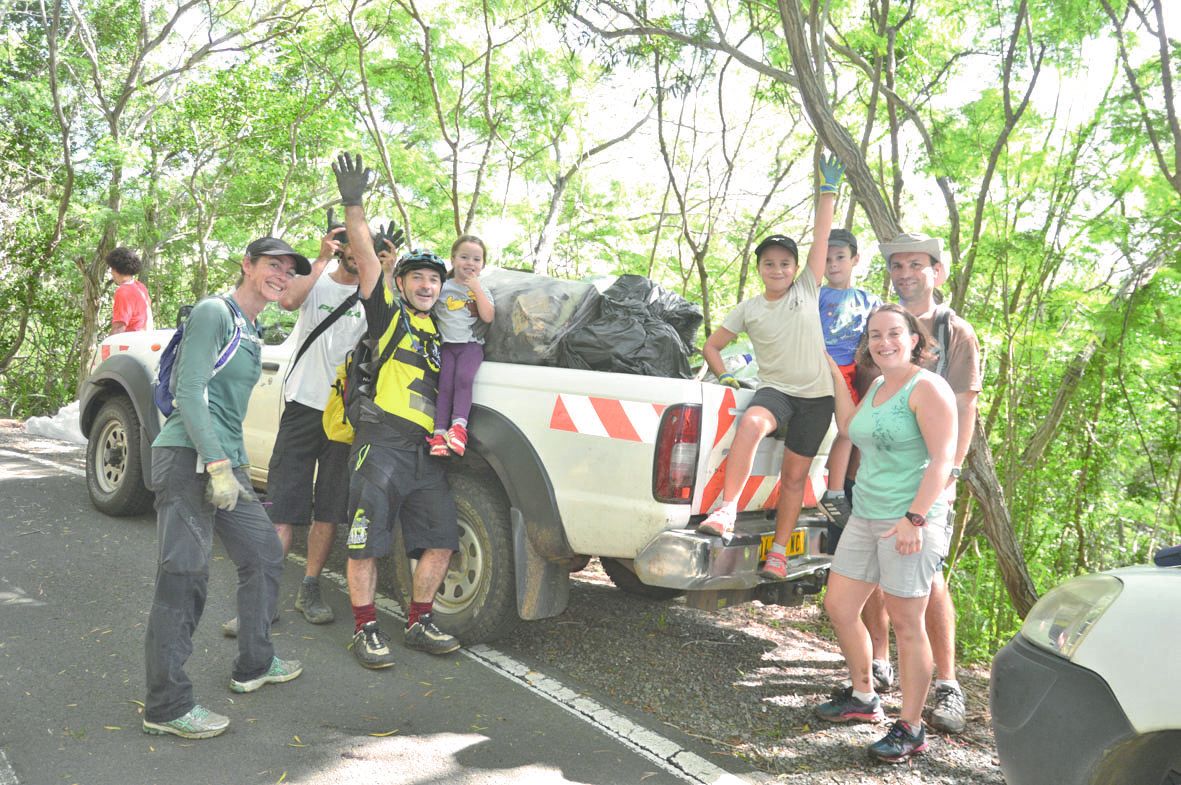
(223, 488)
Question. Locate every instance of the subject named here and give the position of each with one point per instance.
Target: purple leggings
(460, 361)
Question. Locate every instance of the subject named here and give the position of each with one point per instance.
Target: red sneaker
(438, 446)
(775, 567)
(456, 437)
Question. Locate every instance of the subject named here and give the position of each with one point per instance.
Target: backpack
(164, 388)
(354, 380)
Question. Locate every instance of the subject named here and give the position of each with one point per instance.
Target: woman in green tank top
(897, 536)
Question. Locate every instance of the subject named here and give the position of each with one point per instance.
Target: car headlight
(1061, 620)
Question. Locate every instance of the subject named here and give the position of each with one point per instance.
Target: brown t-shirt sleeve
(963, 358)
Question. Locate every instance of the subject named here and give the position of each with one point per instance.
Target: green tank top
(893, 455)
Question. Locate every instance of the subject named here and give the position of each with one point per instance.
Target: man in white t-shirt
(301, 444)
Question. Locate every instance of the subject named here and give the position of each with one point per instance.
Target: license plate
(795, 545)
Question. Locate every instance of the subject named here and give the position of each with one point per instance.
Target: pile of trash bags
(627, 324)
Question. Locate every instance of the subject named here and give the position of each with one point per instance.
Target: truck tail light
(677, 443)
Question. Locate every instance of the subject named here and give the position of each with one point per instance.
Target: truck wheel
(626, 581)
(114, 476)
(478, 599)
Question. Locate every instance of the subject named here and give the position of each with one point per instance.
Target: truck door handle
(270, 367)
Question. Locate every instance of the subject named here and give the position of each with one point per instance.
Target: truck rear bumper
(685, 559)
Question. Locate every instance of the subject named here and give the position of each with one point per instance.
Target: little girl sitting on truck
(794, 400)
(463, 313)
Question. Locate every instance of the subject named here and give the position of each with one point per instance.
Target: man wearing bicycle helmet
(393, 478)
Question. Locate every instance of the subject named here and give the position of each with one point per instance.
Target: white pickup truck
(562, 465)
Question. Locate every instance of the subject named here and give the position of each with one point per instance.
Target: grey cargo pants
(186, 523)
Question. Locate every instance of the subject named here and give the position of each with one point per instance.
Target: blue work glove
(729, 380)
(352, 178)
(832, 170)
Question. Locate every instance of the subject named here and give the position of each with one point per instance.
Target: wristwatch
(956, 472)
(916, 518)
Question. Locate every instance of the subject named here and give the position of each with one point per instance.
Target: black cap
(777, 239)
(843, 237)
(273, 246)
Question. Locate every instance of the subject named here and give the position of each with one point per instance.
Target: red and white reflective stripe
(632, 421)
(761, 492)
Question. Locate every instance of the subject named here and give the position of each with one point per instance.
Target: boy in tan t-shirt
(794, 400)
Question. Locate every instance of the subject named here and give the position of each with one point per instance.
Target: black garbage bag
(533, 313)
(635, 332)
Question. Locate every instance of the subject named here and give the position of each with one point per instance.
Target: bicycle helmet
(419, 259)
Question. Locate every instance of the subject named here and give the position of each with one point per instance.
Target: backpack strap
(942, 336)
(320, 329)
(235, 340)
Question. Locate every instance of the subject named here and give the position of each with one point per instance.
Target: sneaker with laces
(456, 437)
(230, 628)
(836, 507)
(948, 713)
(899, 743)
(720, 523)
(197, 723)
(279, 672)
(775, 567)
(883, 676)
(438, 443)
(371, 647)
(423, 635)
(843, 707)
(310, 603)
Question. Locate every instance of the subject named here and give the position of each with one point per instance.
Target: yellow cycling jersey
(408, 382)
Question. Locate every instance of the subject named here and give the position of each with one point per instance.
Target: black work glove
(352, 179)
(336, 230)
(384, 233)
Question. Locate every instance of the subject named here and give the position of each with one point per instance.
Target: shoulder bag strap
(320, 328)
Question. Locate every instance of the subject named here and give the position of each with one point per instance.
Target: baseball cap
(273, 246)
(843, 237)
(777, 239)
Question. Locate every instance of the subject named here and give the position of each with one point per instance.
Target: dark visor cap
(780, 240)
(273, 246)
(843, 237)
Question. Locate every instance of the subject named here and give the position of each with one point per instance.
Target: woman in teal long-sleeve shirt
(199, 474)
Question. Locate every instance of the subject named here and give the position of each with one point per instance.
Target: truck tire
(114, 473)
(626, 581)
(477, 602)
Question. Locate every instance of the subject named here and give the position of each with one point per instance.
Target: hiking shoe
(899, 743)
(279, 672)
(309, 602)
(456, 437)
(883, 676)
(775, 567)
(371, 647)
(843, 707)
(198, 723)
(720, 523)
(438, 443)
(423, 635)
(837, 508)
(230, 628)
(948, 714)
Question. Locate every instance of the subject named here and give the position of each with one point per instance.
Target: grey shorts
(406, 485)
(301, 450)
(863, 555)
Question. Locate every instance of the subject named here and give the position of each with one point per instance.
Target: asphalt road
(75, 589)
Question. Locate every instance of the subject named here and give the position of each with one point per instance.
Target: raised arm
(353, 179)
(301, 285)
(831, 171)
